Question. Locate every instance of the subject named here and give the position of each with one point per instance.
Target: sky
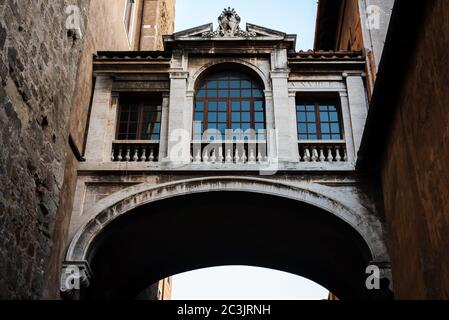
(238, 282)
(289, 16)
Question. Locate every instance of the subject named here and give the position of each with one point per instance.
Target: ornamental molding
(229, 26)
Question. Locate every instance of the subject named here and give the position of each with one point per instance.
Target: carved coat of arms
(229, 26)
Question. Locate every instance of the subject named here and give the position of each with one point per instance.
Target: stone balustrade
(321, 151)
(229, 153)
(135, 151)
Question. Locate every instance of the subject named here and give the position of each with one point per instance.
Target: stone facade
(46, 75)
(38, 62)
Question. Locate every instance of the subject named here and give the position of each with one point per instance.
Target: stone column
(346, 118)
(293, 126)
(178, 131)
(164, 126)
(99, 138)
(358, 106)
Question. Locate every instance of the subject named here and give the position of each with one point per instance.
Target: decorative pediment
(229, 28)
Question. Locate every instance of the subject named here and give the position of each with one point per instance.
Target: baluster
(205, 157)
(220, 154)
(136, 154)
(337, 154)
(314, 154)
(198, 156)
(237, 158)
(259, 157)
(119, 157)
(214, 157)
(228, 156)
(330, 157)
(252, 158)
(307, 155)
(244, 157)
(128, 154)
(345, 155)
(143, 158)
(113, 154)
(151, 157)
(322, 157)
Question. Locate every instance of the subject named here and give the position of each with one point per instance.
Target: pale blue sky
(244, 283)
(290, 16)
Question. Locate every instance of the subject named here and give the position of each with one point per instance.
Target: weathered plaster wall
(415, 173)
(38, 64)
(158, 19)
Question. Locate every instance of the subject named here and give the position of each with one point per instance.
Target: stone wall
(415, 173)
(158, 19)
(38, 69)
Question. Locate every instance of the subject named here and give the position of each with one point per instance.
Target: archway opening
(195, 231)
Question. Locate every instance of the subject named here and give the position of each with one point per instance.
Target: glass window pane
(201, 94)
(222, 106)
(311, 127)
(311, 117)
(236, 117)
(212, 93)
(324, 117)
(235, 105)
(223, 93)
(301, 116)
(301, 108)
(326, 137)
(213, 106)
(211, 126)
(323, 108)
(212, 117)
(212, 85)
(335, 128)
(302, 128)
(222, 127)
(246, 126)
(259, 117)
(222, 117)
(246, 84)
(200, 105)
(313, 137)
(199, 116)
(259, 126)
(246, 116)
(132, 128)
(235, 84)
(334, 116)
(234, 94)
(223, 84)
(325, 128)
(257, 93)
(246, 105)
(246, 93)
(258, 105)
(302, 137)
(332, 108)
(336, 137)
(310, 108)
(133, 116)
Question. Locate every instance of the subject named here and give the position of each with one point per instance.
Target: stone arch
(118, 204)
(239, 63)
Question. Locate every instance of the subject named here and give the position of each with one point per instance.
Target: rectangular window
(139, 118)
(318, 120)
(129, 18)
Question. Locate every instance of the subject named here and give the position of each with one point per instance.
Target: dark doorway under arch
(203, 230)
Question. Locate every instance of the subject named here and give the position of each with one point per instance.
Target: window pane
(235, 105)
(222, 127)
(332, 108)
(302, 137)
(334, 116)
(223, 84)
(246, 105)
(201, 94)
(259, 117)
(223, 93)
(311, 117)
(325, 128)
(234, 94)
(235, 84)
(236, 117)
(313, 137)
(259, 126)
(222, 106)
(200, 105)
(335, 128)
(246, 84)
(336, 137)
(212, 85)
(326, 137)
(246, 116)
(246, 93)
(258, 105)
(246, 126)
(324, 117)
(301, 116)
(257, 94)
(310, 108)
(213, 106)
(323, 108)
(212, 117)
(302, 128)
(222, 117)
(212, 93)
(199, 116)
(311, 128)
(301, 108)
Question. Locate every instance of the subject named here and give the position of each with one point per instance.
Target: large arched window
(229, 100)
